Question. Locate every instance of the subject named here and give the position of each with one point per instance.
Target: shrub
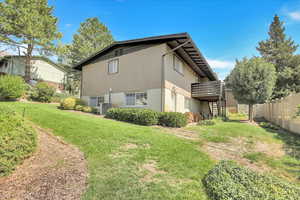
(229, 181)
(43, 92)
(172, 119)
(79, 107)
(70, 103)
(138, 116)
(17, 140)
(87, 109)
(95, 110)
(11, 87)
(58, 97)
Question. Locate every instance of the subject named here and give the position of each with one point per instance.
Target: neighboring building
(163, 73)
(42, 69)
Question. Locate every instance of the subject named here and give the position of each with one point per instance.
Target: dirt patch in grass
(56, 171)
(129, 146)
(270, 149)
(238, 147)
(151, 171)
(181, 132)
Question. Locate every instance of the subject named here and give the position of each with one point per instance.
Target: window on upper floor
(113, 66)
(177, 64)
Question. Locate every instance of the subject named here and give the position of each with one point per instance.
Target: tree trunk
(251, 112)
(28, 57)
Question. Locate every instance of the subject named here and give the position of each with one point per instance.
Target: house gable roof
(188, 51)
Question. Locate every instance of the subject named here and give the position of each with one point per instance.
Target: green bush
(11, 87)
(79, 107)
(42, 92)
(70, 103)
(17, 140)
(172, 119)
(134, 115)
(87, 109)
(229, 181)
(58, 97)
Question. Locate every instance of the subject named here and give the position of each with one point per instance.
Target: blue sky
(224, 30)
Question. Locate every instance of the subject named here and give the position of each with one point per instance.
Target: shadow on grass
(291, 140)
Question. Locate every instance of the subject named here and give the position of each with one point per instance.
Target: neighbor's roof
(58, 66)
(189, 52)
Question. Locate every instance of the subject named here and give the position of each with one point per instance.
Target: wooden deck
(210, 91)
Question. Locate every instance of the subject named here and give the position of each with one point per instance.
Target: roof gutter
(163, 73)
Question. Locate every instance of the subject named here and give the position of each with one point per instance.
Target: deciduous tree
(252, 82)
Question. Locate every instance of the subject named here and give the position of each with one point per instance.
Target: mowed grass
(222, 131)
(116, 172)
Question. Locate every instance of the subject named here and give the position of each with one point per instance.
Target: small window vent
(118, 52)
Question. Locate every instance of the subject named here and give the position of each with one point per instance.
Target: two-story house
(163, 73)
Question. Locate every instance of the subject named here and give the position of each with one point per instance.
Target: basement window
(187, 103)
(136, 99)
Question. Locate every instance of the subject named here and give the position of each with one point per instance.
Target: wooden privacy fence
(281, 112)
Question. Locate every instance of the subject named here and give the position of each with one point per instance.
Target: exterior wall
(47, 72)
(118, 99)
(40, 70)
(184, 80)
(181, 85)
(138, 71)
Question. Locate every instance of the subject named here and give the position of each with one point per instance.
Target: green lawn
(116, 172)
(223, 131)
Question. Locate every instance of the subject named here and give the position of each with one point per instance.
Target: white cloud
(220, 64)
(294, 15)
(68, 25)
(222, 75)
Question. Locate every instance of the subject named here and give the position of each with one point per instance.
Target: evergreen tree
(28, 25)
(279, 50)
(92, 36)
(252, 82)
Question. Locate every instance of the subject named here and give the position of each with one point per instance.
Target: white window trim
(174, 65)
(110, 73)
(135, 105)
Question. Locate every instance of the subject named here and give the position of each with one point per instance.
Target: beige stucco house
(42, 69)
(163, 73)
